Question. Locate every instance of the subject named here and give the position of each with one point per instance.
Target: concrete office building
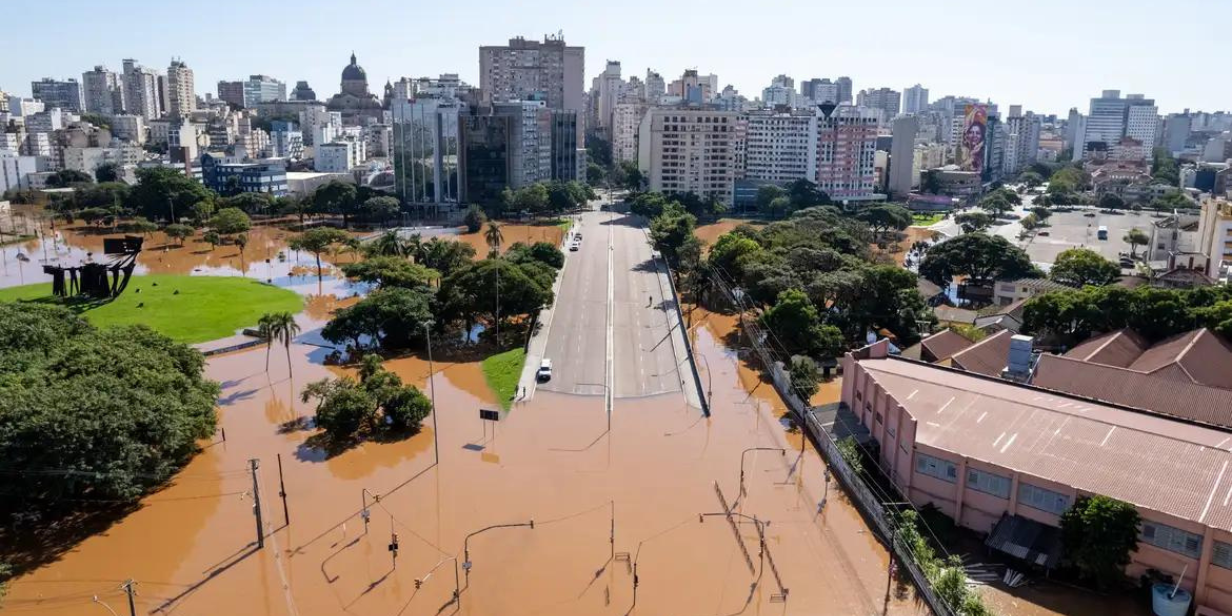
(887, 101)
(915, 99)
(263, 89)
(820, 91)
(550, 71)
(233, 178)
(141, 94)
(626, 121)
(606, 89)
(654, 87)
(902, 156)
(426, 149)
(286, 140)
(15, 170)
(844, 90)
(683, 149)
(128, 128)
(846, 151)
(530, 141)
(780, 145)
(181, 92)
(337, 157)
(53, 93)
(1177, 128)
(232, 93)
(1022, 142)
(103, 91)
(1108, 122)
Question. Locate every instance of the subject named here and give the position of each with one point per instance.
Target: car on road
(1044, 233)
(574, 246)
(544, 373)
(1090, 214)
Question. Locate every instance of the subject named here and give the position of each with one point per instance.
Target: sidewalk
(539, 340)
(689, 376)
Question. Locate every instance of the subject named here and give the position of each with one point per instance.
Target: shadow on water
(28, 546)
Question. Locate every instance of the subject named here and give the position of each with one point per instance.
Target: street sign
(489, 415)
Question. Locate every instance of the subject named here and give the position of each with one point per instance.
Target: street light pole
(742, 492)
(436, 445)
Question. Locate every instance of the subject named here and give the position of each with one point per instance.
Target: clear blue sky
(1048, 55)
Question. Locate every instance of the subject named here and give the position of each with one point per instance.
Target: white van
(545, 371)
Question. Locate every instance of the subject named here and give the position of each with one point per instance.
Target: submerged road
(614, 269)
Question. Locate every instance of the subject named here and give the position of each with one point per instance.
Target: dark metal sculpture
(91, 279)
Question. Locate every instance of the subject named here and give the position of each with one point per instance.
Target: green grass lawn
(503, 371)
(206, 308)
(925, 220)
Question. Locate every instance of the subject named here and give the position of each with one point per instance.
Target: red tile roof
(1198, 356)
(1119, 348)
(987, 356)
(943, 344)
(1156, 463)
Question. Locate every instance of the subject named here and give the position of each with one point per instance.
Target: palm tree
(388, 244)
(284, 329)
(494, 238)
(265, 331)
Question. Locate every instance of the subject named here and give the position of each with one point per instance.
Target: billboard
(975, 129)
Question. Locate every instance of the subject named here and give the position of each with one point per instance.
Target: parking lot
(1078, 229)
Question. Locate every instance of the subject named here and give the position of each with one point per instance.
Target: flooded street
(191, 547)
(547, 511)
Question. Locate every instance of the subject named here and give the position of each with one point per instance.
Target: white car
(545, 371)
(575, 246)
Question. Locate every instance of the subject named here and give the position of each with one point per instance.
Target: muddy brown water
(645, 483)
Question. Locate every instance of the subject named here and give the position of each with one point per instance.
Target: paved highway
(614, 265)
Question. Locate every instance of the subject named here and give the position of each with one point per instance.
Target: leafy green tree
(1031, 179)
(378, 403)
(200, 212)
(594, 174)
(648, 204)
(251, 203)
(1111, 201)
(178, 232)
(317, 241)
(1079, 267)
(474, 219)
(1041, 213)
(387, 244)
(996, 203)
(805, 194)
(213, 238)
(493, 289)
(797, 326)
(1099, 533)
(116, 412)
(444, 256)
(107, 172)
(670, 229)
(392, 317)
(543, 252)
(65, 178)
(634, 179)
(560, 198)
(336, 198)
(1164, 169)
(380, 209)
(230, 220)
(1029, 222)
(884, 218)
(1136, 237)
(777, 207)
(388, 271)
(93, 215)
(1172, 200)
(972, 222)
(767, 194)
(804, 377)
(533, 198)
(982, 257)
(162, 190)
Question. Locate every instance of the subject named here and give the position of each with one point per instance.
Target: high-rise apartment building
(846, 149)
(181, 93)
(654, 87)
(54, 93)
(530, 151)
(820, 91)
(626, 120)
(607, 89)
(1176, 131)
(844, 89)
(263, 89)
(780, 145)
(550, 71)
(688, 149)
(915, 99)
(888, 101)
(141, 94)
(231, 92)
(1022, 140)
(103, 91)
(128, 128)
(902, 155)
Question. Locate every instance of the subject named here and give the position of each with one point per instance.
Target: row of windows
(1172, 539)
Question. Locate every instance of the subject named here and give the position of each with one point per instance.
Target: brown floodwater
(646, 482)
(511, 233)
(710, 232)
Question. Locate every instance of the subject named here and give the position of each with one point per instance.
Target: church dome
(354, 72)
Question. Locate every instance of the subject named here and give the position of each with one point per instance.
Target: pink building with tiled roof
(984, 450)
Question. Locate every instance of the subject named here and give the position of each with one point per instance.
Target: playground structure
(91, 279)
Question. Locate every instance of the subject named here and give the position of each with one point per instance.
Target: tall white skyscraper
(915, 99)
(1113, 118)
(103, 91)
(181, 95)
(902, 155)
(141, 91)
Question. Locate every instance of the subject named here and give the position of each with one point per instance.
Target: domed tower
(354, 79)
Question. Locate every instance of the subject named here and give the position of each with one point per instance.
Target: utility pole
(282, 492)
(128, 588)
(436, 445)
(253, 465)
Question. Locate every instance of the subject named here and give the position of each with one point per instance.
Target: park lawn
(206, 308)
(502, 372)
(925, 220)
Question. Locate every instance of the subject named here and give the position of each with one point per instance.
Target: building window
(988, 483)
(1171, 539)
(1221, 556)
(936, 467)
(1042, 499)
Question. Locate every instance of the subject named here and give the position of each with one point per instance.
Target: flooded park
(557, 508)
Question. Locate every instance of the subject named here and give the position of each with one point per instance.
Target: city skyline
(895, 51)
